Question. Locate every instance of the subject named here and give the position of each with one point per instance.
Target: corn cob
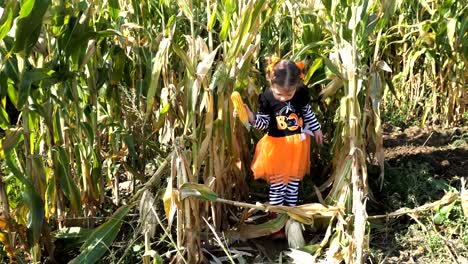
(240, 108)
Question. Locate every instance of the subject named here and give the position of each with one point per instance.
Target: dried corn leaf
(332, 87)
(464, 197)
(3, 222)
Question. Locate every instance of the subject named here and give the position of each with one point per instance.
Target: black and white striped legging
(284, 194)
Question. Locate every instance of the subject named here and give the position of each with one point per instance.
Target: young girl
(282, 155)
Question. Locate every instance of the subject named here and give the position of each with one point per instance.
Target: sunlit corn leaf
(225, 26)
(186, 9)
(212, 18)
(159, 61)
(442, 214)
(74, 232)
(197, 190)
(451, 29)
(346, 56)
(356, 12)
(169, 202)
(205, 65)
(4, 118)
(101, 238)
(312, 249)
(318, 63)
(300, 257)
(7, 22)
(334, 254)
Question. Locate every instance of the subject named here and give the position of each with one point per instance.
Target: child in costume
(282, 156)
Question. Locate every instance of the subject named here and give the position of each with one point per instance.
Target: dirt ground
(444, 155)
(437, 147)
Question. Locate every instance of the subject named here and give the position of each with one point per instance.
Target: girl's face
(281, 94)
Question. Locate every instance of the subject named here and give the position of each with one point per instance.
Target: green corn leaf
(225, 26)
(29, 24)
(315, 66)
(155, 74)
(331, 66)
(185, 58)
(101, 238)
(185, 8)
(58, 135)
(6, 23)
(249, 231)
(32, 199)
(197, 190)
(229, 5)
(26, 8)
(86, 127)
(114, 8)
(212, 19)
(13, 94)
(11, 140)
(130, 142)
(4, 118)
(28, 78)
(219, 77)
(68, 185)
(96, 174)
(36, 214)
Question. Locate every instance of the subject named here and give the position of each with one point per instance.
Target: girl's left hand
(318, 137)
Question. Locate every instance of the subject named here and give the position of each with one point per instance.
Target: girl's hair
(285, 74)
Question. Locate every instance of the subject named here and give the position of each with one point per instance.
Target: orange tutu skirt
(278, 159)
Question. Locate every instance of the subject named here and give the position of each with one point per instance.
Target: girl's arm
(259, 121)
(311, 123)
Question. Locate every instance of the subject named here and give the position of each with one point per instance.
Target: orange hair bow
(301, 66)
(273, 62)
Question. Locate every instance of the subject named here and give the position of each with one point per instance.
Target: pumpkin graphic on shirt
(286, 118)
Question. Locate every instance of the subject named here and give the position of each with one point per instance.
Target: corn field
(116, 116)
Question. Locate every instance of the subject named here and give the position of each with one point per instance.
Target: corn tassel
(240, 108)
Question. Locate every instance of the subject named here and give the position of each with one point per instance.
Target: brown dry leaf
(3, 222)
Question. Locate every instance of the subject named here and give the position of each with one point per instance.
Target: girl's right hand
(250, 114)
